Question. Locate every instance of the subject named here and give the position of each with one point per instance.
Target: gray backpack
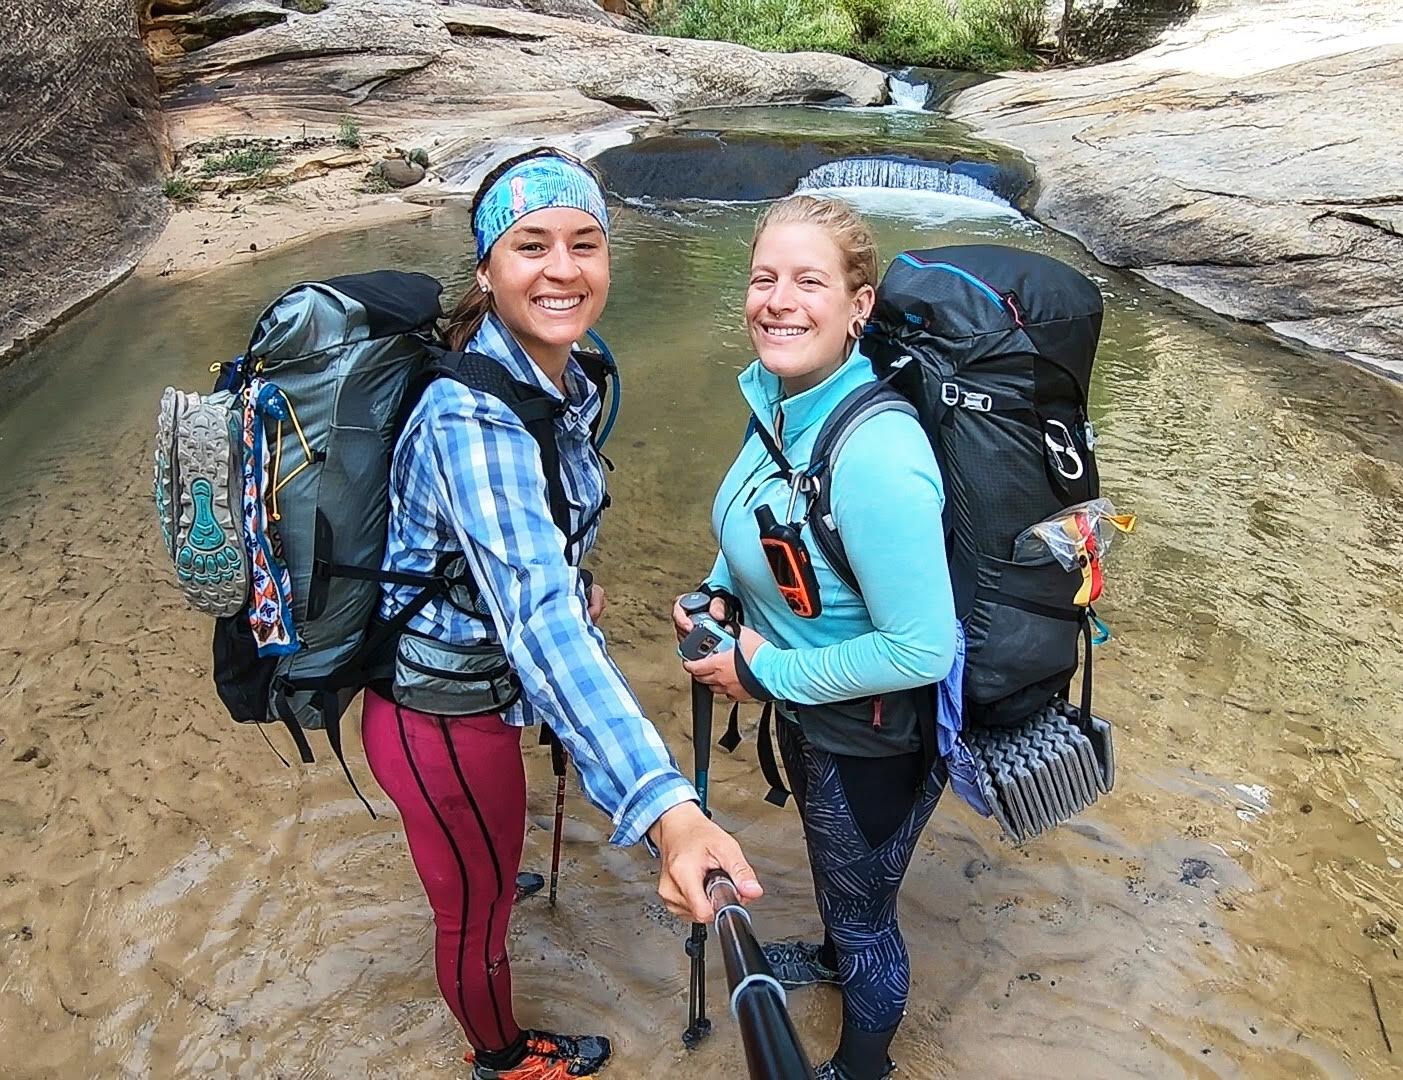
(343, 361)
(343, 354)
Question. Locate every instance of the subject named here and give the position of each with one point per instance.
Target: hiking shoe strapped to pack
(799, 963)
(199, 498)
(552, 1057)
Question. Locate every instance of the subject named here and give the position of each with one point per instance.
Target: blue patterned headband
(538, 183)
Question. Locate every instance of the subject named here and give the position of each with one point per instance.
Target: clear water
(177, 903)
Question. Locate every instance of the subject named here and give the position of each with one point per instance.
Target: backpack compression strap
(599, 368)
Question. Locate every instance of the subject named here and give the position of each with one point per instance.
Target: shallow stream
(175, 902)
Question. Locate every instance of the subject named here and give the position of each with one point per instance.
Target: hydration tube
(616, 397)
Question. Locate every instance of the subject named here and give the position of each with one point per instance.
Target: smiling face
(549, 279)
(799, 308)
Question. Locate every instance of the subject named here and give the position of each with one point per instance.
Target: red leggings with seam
(460, 787)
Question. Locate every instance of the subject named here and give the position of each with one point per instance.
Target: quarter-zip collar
(764, 393)
(495, 340)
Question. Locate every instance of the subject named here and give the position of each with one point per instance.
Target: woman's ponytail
(467, 317)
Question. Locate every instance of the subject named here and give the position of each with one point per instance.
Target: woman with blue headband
(468, 476)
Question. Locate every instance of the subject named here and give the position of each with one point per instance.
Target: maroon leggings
(460, 787)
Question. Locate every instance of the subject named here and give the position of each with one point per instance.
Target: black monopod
(772, 1047)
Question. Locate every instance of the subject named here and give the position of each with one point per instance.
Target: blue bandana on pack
(536, 184)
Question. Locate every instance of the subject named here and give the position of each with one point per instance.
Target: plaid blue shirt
(467, 476)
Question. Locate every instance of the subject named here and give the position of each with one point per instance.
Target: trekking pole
(772, 1047)
(698, 1026)
(557, 764)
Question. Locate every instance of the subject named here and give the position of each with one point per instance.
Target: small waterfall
(906, 95)
(902, 175)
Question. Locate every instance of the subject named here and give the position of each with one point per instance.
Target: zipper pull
(1011, 299)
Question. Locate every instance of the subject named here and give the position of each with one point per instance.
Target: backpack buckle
(950, 393)
(978, 402)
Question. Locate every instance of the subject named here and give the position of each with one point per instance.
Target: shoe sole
(196, 494)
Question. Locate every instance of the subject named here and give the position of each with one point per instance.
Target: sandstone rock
(1270, 192)
(82, 156)
(399, 173)
(225, 18)
(579, 10)
(402, 49)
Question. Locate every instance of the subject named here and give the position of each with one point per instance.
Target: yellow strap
(277, 467)
(308, 459)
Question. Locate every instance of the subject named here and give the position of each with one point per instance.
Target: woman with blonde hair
(850, 673)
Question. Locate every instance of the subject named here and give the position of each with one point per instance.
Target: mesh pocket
(241, 677)
(1021, 636)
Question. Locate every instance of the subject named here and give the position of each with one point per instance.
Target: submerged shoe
(829, 1071)
(552, 1057)
(797, 963)
(528, 884)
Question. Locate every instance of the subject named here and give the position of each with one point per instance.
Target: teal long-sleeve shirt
(887, 496)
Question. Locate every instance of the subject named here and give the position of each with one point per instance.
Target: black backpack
(991, 347)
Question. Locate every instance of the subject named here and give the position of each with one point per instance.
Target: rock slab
(82, 156)
(1249, 162)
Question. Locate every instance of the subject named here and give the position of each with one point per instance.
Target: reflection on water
(893, 128)
(177, 903)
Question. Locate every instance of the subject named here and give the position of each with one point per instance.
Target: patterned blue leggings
(857, 873)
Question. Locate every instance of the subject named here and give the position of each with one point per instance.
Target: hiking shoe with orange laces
(552, 1057)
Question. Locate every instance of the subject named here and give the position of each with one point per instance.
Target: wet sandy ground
(175, 902)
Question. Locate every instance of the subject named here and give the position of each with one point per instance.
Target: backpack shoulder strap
(599, 368)
(860, 405)
(535, 408)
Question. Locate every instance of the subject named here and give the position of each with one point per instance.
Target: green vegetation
(178, 189)
(307, 7)
(348, 132)
(243, 161)
(983, 35)
(375, 184)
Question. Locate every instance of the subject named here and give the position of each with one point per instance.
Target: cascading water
(906, 95)
(901, 175)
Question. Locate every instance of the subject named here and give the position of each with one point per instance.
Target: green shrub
(348, 132)
(769, 25)
(985, 35)
(178, 189)
(307, 7)
(244, 161)
(375, 184)
(869, 17)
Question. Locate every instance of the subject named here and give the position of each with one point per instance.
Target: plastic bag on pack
(1075, 537)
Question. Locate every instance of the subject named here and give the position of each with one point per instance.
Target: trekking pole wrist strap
(753, 686)
(735, 610)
